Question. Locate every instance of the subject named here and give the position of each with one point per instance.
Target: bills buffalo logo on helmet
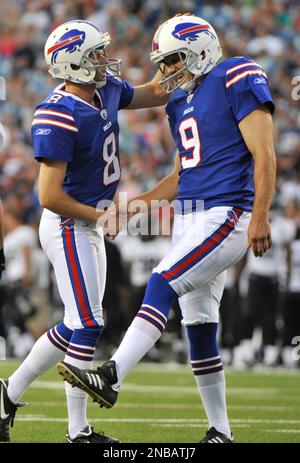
(68, 42)
(191, 31)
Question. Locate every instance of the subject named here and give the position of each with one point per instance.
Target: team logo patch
(232, 217)
(191, 31)
(66, 223)
(69, 42)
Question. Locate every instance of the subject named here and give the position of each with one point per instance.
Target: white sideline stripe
(171, 390)
(191, 425)
(283, 431)
(175, 368)
(166, 422)
(173, 406)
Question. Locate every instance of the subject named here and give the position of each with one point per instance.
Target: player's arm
(118, 214)
(149, 95)
(257, 131)
(2, 257)
(166, 189)
(53, 197)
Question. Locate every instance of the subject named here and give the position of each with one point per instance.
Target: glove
(2, 262)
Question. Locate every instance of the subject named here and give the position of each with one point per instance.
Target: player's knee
(159, 294)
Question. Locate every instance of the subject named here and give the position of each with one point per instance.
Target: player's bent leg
(103, 384)
(47, 351)
(217, 239)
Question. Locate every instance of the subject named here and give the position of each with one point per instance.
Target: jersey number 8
(112, 171)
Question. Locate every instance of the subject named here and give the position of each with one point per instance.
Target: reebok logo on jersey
(260, 80)
(43, 131)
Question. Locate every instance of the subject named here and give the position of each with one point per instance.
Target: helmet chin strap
(100, 84)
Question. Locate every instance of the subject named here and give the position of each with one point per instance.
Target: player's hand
(114, 219)
(259, 235)
(157, 89)
(2, 262)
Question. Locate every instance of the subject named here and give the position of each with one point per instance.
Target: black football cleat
(88, 436)
(215, 437)
(7, 411)
(97, 383)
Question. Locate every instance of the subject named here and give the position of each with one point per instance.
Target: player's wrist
(260, 214)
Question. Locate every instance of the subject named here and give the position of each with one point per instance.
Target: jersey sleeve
(248, 88)
(54, 131)
(126, 96)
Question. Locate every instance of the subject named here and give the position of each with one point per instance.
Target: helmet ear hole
(203, 55)
(75, 67)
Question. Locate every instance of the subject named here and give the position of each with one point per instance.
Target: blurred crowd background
(260, 313)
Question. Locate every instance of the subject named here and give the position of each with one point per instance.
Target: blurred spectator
(266, 274)
(291, 313)
(19, 243)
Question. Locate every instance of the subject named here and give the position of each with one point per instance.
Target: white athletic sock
(212, 391)
(76, 400)
(138, 340)
(43, 356)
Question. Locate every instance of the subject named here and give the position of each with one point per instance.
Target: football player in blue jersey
(75, 138)
(220, 115)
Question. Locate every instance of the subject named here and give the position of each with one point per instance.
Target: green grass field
(159, 403)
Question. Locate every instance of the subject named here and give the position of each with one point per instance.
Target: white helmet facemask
(72, 53)
(196, 45)
(181, 78)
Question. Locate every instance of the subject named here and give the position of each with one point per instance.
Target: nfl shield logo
(103, 114)
(189, 98)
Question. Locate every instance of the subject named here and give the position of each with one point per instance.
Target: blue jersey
(216, 165)
(67, 128)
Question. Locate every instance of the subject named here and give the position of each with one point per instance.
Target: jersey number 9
(190, 141)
